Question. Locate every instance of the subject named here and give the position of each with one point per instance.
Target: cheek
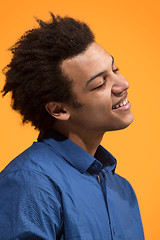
(98, 110)
(102, 104)
(99, 102)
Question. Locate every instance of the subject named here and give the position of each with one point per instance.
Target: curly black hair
(34, 75)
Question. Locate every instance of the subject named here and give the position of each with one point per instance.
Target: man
(65, 186)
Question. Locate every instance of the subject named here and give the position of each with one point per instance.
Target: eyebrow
(99, 74)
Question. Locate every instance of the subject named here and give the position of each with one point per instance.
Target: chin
(119, 125)
(126, 123)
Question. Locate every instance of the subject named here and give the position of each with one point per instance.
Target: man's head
(58, 72)
(34, 75)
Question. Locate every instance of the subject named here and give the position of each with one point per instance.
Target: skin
(87, 124)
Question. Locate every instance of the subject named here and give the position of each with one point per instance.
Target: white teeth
(125, 101)
(121, 104)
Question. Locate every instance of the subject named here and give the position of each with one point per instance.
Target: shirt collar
(76, 156)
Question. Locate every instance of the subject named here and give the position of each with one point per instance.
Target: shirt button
(114, 232)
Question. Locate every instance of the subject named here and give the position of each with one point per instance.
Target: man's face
(101, 90)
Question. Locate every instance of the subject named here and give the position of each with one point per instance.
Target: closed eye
(102, 85)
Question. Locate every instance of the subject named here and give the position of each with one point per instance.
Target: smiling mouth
(121, 104)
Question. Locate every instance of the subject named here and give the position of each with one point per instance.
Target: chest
(98, 209)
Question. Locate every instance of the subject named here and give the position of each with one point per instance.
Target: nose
(120, 85)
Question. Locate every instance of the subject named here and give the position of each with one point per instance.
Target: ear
(57, 110)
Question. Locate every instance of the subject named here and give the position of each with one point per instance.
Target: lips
(121, 103)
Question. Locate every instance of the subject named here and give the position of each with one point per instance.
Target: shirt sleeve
(30, 207)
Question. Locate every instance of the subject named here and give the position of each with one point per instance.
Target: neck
(89, 141)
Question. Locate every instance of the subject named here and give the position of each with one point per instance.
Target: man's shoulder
(124, 188)
(39, 157)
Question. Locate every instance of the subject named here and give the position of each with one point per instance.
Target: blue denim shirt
(51, 191)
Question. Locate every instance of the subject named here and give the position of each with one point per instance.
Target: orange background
(129, 30)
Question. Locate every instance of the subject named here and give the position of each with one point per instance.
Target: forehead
(87, 64)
